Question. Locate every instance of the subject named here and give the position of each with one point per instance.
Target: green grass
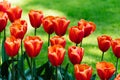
(105, 14)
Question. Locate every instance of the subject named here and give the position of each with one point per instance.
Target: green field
(104, 13)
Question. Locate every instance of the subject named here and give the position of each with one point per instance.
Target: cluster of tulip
(56, 44)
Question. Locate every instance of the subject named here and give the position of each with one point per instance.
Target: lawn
(104, 13)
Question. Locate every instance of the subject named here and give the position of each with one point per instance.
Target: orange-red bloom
(58, 40)
(35, 17)
(4, 6)
(14, 13)
(89, 27)
(104, 42)
(3, 21)
(105, 70)
(82, 72)
(33, 45)
(48, 24)
(117, 77)
(75, 54)
(61, 25)
(18, 28)
(76, 34)
(116, 47)
(56, 54)
(12, 46)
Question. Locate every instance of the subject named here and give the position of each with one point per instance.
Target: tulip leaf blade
(4, 68)
(93, 77)
(59, 74)
(4, 55)
(113, 76)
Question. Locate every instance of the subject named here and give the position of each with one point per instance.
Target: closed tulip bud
(61, 25)
(82, 72)
(75, 54)
(3, 21)
(33, 45)
(105, 70)
(35, 17)
(57, 40)
(76, 34)
(18, 28)
(12, 46)
(56, 54)
(104, 42)
(4, 6)
(116, 47)
(14, 13)
(48, 24)
(89, 27)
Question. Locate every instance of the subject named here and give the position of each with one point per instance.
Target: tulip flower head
(75, 54)
(14, 13)
(18, 28)
(4, 6)
(105, 70)
(3, 21)
(89, 27)
(56, 54)
(33, 45)
(76, 34)
(35, 17)
(116, 47)
(82, 72)
(117, 77)
(60, 25)
(12, 46)
(48, 24)
(104, 42)
(57, 40)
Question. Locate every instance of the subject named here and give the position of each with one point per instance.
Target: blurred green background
(104, 13)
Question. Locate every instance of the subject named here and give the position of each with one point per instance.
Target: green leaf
(4, 55)
(113, 76)
(93, 77)
(59, 75)
(4, 68)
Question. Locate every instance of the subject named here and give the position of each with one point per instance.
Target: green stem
(0, 38)
(81, 44)
(102, 56)
(4, 34)
(56, 73)
(32, 69)
(76, 44)
(22, 63)
(35, 31)
(13, 74)
(48, 39)
(116, 66)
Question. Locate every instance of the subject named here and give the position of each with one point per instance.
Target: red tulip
(104, 42)
(105, 70)
(14, 13)
(82, 72)
(116, 47)
(48, 24)
(117, 77)
(75, 54)
(3, 21)
(4, 6)
(18, 28)
(61, 25)
(89, 27)
(76, 34)
(35, 17)
(33, 45)
(56, 54)
(12, 46)
(58, 40)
